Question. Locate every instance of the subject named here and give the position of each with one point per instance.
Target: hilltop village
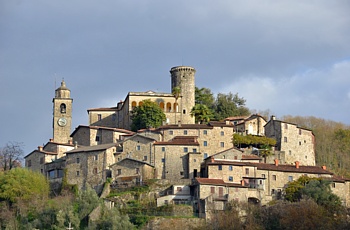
(198, 160)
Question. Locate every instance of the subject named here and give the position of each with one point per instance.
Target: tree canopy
(147, 115)
(201, 113)
(317, 189)
(23, 185)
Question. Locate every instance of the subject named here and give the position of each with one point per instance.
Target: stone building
(95, 135)
(131, 170)
(89, 165)
(177, 108)
(255, 182)
(294, 143)
(251, 125)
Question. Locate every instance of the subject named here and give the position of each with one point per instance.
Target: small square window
(94, 171)
(96, 157)
(263, 175)
(137, 170)
(78, 160)
(285, 139)
(97, 138)
(212, 189)
(247, 171)
(222, 133)
(99, 117)
(274, 177)
(230, 167)
(205, 132)
(194, 150)
(300, 131)
(290, 152)
(205, 155)
(220, 167)
(138, 148)
(144, 158)
(185, 149)
(181, 173)
(205, 143)
(171, 132)
(163, 160)
(333, 185)
(222, 144)
(290, 178)
(299, 142)
(77, 173)
(119, 171)
(185, 132)
(230, 178)
(163, 149)
(184, 111)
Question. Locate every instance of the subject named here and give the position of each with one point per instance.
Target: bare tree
(11, 155)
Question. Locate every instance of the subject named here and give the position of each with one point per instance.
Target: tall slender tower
(183, 77)
(62, 114)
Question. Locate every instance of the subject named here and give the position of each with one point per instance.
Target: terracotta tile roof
(220, 123)
(292, 168)
(186, 126)
(92, 148)
(180, 140)
(43, 152)
(273, 167)
(210, 181)
(250, 157)
(235, 118)
(226, 150)
(130, 159)
(103, 128)
(103, 109)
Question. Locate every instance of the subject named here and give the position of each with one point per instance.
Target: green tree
(147, 115)
(23, 185)
(204, 96)
(228, 105)
(201, 113)
(317, 189)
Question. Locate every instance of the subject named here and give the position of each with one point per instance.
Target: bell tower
(62, 114)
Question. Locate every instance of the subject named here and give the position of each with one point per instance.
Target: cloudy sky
(291, 57)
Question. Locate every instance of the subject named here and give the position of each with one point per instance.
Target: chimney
(242, 182)
(70, 142)
(75, 144)
(179, 123)
(40, 148)
(227, 122)
(324, 167)
(273, 117)
(212, 160)
(276, 162)
(51, 140)
(297, 164)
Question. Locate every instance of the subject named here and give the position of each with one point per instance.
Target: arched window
(63, 108)
(161, 105)
(168, 107)
(140, 103)
(133, 105)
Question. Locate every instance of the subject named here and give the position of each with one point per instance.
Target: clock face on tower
(62, 121)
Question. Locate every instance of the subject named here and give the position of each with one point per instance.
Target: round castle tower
(183, 77)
